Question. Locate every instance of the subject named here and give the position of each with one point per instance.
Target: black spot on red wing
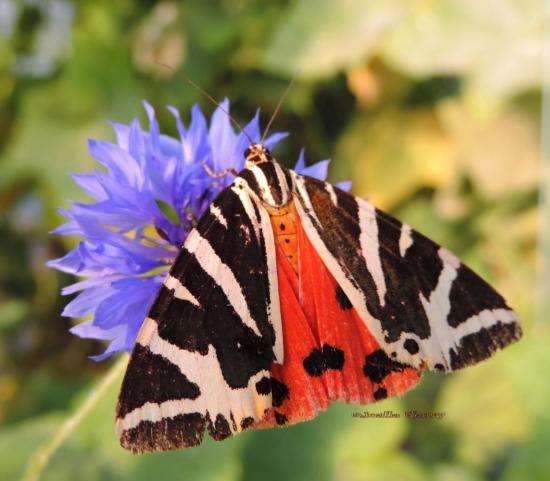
(380, 393)
(314, 364)
(247, 422)
(319, 361)
(342, 299)
(220, 429)
(411, 346)
(280, 418)
(279, 392)
(282, 226)
(263, 386)
(378, 365)
(334, 357)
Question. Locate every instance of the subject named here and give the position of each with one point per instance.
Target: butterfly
(289, 294)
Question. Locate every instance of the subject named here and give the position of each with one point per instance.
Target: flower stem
(41, 457)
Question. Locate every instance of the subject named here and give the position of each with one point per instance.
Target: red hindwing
(329, 352)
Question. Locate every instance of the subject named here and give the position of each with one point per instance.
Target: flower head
(146, 199)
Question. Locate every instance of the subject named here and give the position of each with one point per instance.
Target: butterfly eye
(247, 152)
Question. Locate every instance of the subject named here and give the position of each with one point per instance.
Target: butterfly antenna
(279, 104)
(209, 97)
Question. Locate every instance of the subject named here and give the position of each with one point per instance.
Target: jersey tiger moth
(291, 293)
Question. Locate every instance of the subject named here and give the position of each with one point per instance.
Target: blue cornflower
(146, 199)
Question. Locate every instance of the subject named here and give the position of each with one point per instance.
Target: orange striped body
(283, 221)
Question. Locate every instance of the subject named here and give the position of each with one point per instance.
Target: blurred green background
(431, 107)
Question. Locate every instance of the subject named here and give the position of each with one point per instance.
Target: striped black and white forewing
(203, 355)
(423, 305)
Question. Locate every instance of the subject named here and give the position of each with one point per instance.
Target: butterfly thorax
(269, 180)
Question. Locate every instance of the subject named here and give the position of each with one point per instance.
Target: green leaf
(485, 409)
(394, 154)
(88, 439)
(450, 472)
(18, 442)
(350, 446)
(12, 313)
(48, 147)
(495, 44)
(487, 147)
(531, 460)
(526, 366)
(297, 452)
(395, 466)
(368, 448)
(321, 37)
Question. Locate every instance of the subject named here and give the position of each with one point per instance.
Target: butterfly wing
(210, 354)
(424, 307)
(202, 358)
(329, 352)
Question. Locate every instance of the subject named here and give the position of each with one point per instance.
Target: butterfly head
(269, 180)
(257, 154)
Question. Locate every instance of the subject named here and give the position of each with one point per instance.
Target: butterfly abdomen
(283, 221)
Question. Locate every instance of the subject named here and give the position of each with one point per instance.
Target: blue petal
(301, 163)
(91, 185)
(221, 135)
(119, 308)
(70, 263)
(274, 139)
(69, 228)
(318, 170)
(87, 301)
(344, 185)
(120, 163)
(122, 314)
(88, 330)
(252, 130)
(87, 283)
(179, 124)
(122, 133)
(119, 335)
(136, 149)
(195, 144)
(143, 168)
